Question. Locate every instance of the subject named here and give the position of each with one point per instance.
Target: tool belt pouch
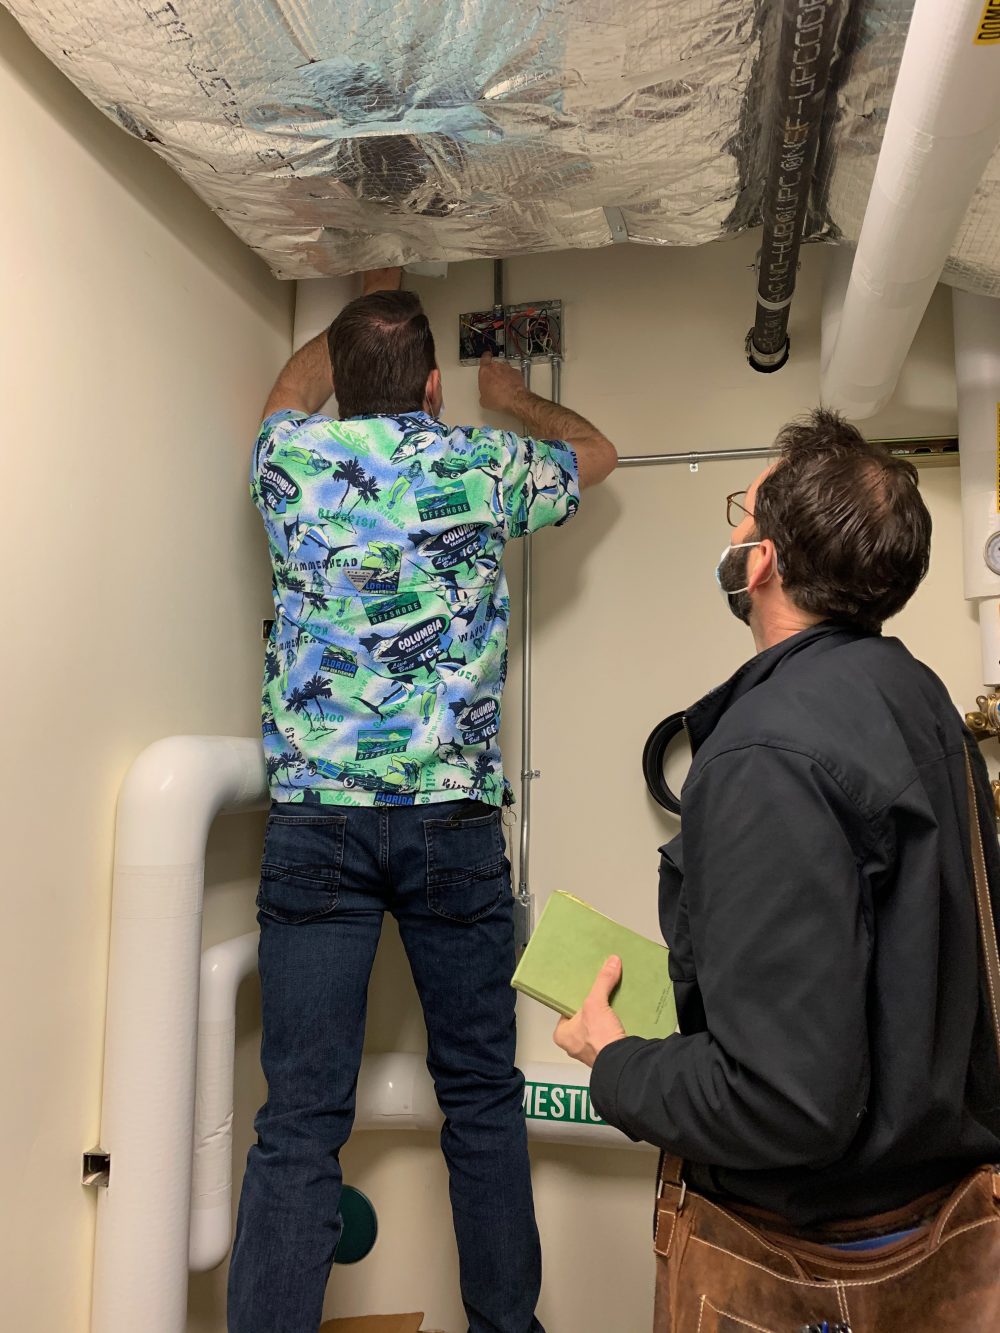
(718, 1271)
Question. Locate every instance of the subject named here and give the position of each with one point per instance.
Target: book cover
(568, 948)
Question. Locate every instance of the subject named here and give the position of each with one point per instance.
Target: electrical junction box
(532, 331)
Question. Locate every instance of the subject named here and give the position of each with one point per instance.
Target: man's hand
(499, 384)
(587, 1033)
(502, 389)
(381, 280)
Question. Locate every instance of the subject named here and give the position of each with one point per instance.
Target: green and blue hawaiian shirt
(386, 662)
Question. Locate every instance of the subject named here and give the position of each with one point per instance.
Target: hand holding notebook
(569, 946)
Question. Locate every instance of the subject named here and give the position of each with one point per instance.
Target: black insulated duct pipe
(805, 55)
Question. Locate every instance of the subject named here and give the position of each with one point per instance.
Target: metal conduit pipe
(916, 446)
(805, 55)
(524, 907)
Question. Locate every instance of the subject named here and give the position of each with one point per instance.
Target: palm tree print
(315, 690)
(316, 601)
(298, 702)
(288, 760)
(274, 766)
(368, 490)
(352, 474)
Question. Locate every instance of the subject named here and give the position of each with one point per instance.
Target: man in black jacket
(835, 1057)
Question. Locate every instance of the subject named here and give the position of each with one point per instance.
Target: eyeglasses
(733, 503)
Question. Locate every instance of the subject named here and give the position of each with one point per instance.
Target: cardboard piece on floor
(375, 1323)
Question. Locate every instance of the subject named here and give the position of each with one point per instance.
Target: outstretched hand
(596, 1025)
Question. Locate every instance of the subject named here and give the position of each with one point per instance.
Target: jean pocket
(302, 864)
(466, 866)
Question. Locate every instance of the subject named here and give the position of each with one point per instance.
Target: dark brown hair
(850, 528)
(382, 352)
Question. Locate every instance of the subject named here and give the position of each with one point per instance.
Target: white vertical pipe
(167, 803)
(223, 968)
(318, 301)
(943, 125)
(977, 372)
(989, 640)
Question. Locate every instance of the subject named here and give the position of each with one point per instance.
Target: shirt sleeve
(271, 432)
(541, 484)
(781, 947)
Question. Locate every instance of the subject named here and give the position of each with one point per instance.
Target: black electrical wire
(653, 754)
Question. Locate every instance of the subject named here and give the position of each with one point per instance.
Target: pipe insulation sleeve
(942, 128)
(806, 44)
(977, 373)
(167, 803)
(223, 968)
(989, 639)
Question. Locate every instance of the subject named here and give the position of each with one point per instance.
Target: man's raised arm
(501, 389)
(307, 379)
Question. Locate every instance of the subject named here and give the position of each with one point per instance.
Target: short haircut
(382, 352)
(851, 530)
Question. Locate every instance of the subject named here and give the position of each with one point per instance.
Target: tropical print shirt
(386, 662)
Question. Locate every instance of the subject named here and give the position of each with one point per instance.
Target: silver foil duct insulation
(336, 135)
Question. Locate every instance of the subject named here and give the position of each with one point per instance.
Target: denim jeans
(328, 875)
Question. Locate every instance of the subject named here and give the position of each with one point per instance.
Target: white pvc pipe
(318, 301)
(167, 803)
(394, 1092)
(977, 372)
(223, 968)
(989, 640)
(943, 125)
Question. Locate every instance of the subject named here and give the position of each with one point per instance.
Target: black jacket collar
(702, 718)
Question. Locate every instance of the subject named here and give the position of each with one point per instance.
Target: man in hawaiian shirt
(381, 711)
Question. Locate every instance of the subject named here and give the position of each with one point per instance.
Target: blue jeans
(328, 875)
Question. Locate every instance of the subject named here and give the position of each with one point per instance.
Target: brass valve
(985, 722)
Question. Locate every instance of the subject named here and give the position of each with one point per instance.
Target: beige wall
(143, 336)
(137, 340)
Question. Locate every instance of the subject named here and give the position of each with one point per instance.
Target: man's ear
(765, 567)
(433, 396)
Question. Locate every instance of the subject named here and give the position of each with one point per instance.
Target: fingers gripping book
(566, 951)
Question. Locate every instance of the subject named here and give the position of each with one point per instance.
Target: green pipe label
(566, 1102)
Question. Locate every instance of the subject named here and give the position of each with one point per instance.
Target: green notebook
(566, 951)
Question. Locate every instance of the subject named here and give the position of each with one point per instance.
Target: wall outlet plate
(531, 331)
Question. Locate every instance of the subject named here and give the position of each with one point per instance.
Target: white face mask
(733, 546)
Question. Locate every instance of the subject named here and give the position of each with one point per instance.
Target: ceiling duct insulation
(336, 135)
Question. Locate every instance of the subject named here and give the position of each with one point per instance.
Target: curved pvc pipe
(394, 1092)
(943, 125)
(977, 371)
(223, 968)
(167, 803)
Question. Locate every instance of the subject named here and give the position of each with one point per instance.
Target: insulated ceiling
(337, 135)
